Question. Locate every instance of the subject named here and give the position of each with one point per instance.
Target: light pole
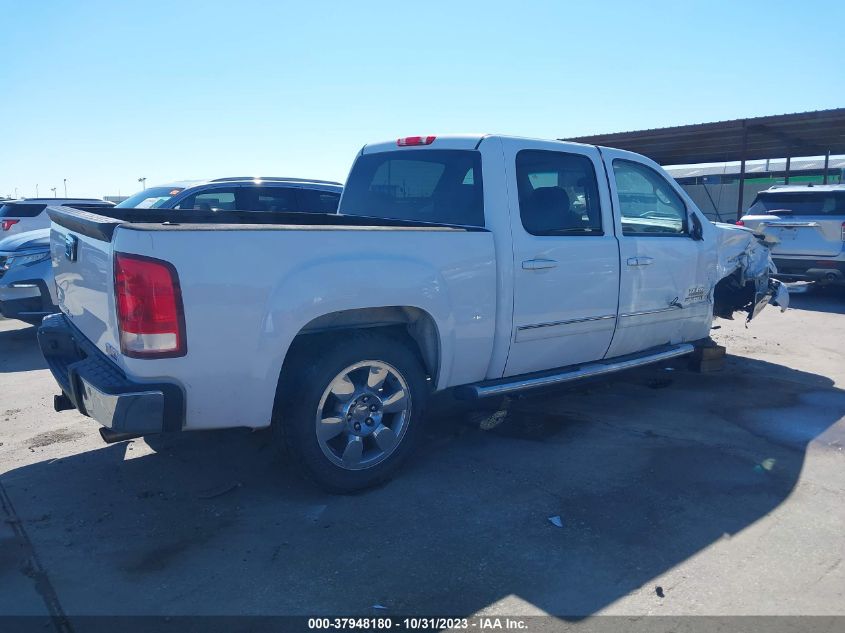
(36, 190)
(65, 183)
(143, 182)
(16, 193)
(53, 189)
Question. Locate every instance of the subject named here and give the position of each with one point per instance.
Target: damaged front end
(743, 272)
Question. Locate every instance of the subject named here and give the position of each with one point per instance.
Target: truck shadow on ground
(644, 472)
(19, 350)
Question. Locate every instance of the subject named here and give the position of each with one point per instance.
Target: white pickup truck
(487, 263)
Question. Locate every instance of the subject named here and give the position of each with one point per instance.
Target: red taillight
(740, 223)
(149, 307)
(415, 140)
(7, 224)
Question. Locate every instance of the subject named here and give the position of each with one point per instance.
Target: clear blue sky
(101, 92)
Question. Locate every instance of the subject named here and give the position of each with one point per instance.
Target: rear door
(666, 275)
(804, 223)
(566, 259)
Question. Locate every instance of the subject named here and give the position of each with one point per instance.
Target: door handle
(538, 264)
(640, 261)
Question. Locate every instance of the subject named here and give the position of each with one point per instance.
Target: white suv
(808, 222)
(27, 214)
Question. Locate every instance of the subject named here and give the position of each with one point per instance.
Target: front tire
(349, 409)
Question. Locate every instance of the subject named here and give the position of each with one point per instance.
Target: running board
(532, 381)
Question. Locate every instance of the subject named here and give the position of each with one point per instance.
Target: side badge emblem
(70, 247)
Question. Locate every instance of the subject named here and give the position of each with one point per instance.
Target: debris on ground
(556, 521)
(487, 421)
(659, 591)
(765, 466)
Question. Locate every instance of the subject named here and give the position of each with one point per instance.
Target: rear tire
(349, 409)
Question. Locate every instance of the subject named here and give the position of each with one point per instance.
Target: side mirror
(697, 231)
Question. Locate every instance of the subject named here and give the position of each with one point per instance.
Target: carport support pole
(826, 163)
(742, 170)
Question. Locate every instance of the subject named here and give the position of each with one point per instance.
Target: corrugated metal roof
(798, 134)
(777, 165)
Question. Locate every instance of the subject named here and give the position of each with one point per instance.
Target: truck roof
(55, 200)
(185, 184)
(457, 141)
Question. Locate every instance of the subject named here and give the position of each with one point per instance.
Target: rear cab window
(799, 203)
(438, 186)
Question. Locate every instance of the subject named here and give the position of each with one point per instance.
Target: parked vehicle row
(483, 264)
(29, 214)
(27, 291)
(27, 288)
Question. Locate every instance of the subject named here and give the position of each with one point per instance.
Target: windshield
(152, 198)
(801, 203)
(442, 186)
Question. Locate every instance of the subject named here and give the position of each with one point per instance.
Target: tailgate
(807, 235)
(802, 235)
(81, 252)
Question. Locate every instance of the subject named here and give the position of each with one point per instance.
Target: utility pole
(143, 182)
(65, 183)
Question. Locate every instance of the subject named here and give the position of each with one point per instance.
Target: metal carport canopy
(787, 135)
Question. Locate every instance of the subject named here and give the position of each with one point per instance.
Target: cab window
(558, 193)
(210, 200)
(317, 201)
(648, 204)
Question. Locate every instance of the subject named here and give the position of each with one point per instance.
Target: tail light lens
(410, 141)
(150, 316)
(740, 223)
(7, 224)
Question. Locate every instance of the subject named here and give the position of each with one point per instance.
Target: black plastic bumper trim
(73, 359)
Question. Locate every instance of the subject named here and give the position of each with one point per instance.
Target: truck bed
(101, 225)
(250, 282)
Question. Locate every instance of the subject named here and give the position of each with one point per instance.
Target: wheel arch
(417, 326)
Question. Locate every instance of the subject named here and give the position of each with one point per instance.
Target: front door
(666, 275)
(566, 258)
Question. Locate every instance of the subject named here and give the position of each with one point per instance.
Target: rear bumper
(98, 388)
(824, 271)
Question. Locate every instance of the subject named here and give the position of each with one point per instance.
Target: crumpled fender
(741, 250)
